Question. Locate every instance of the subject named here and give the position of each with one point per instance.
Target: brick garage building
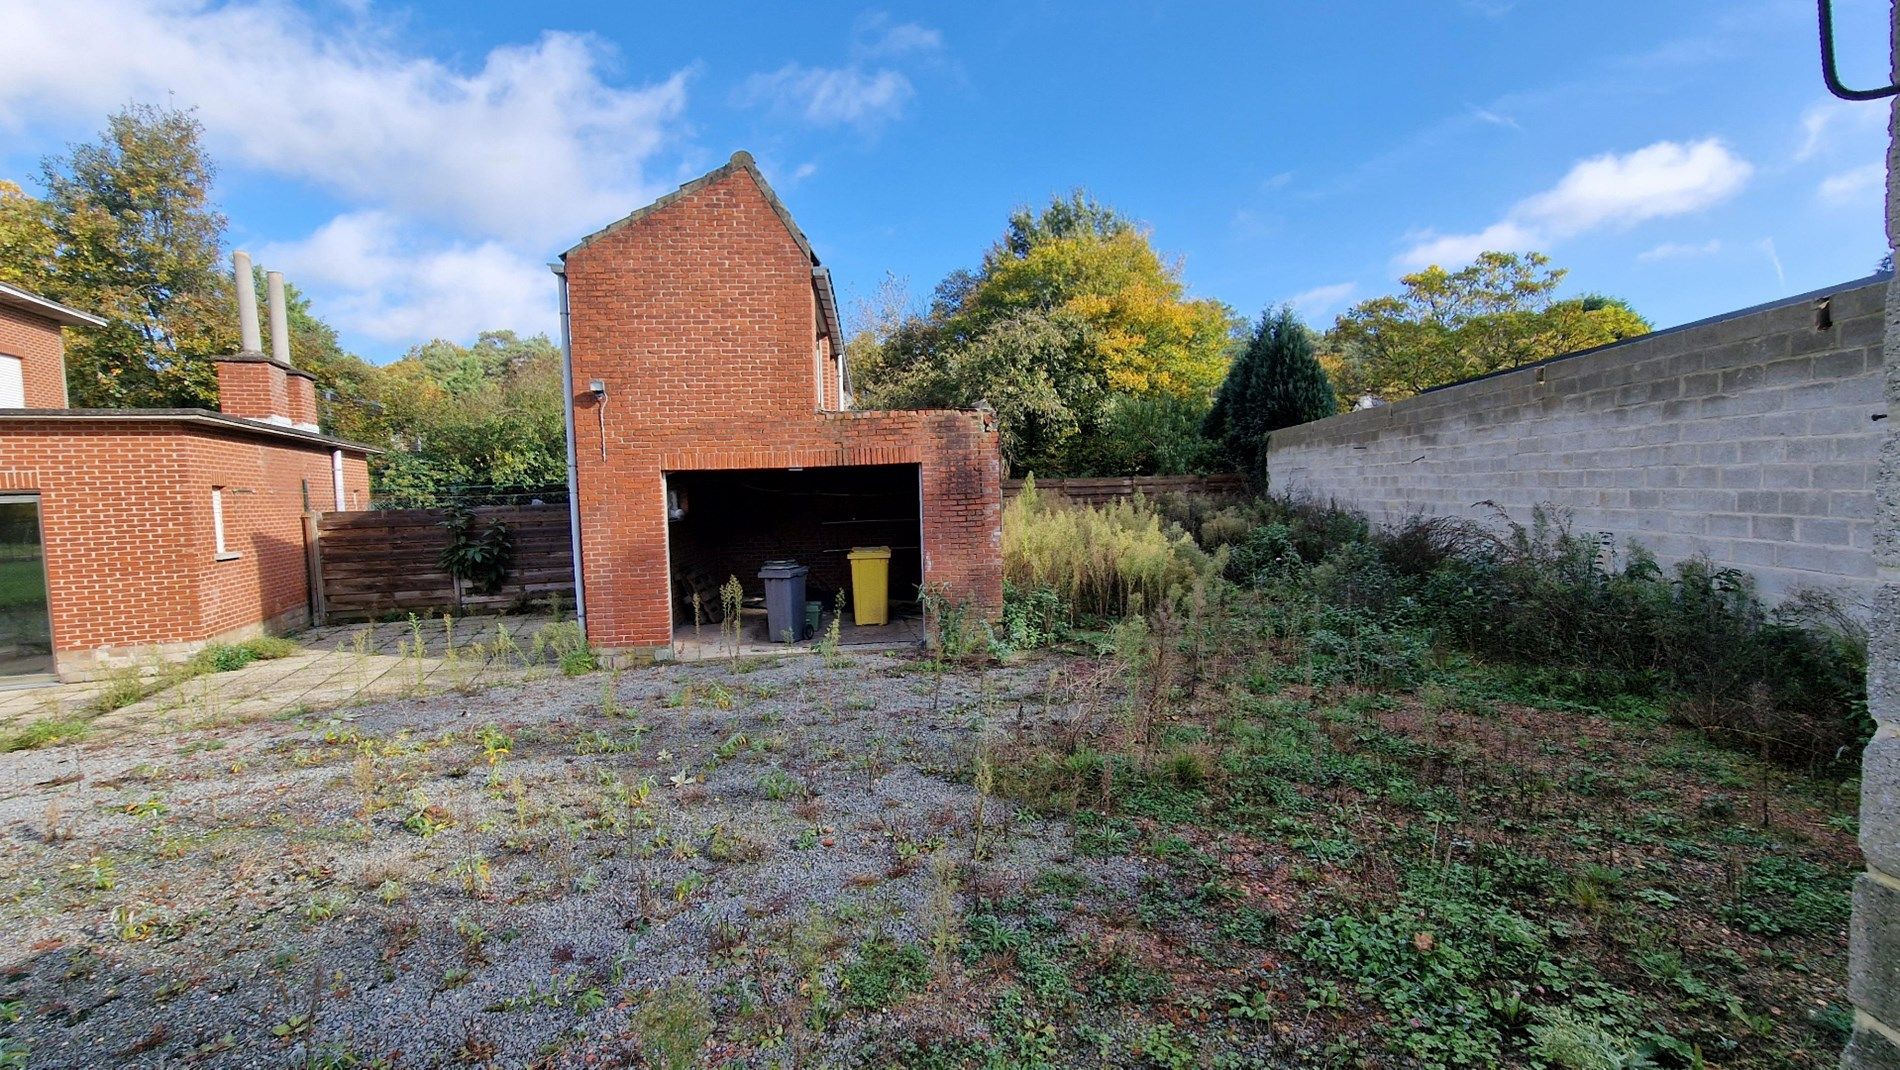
(711, 427)
(126, 533)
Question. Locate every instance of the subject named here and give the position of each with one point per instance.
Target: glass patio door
(26, 630)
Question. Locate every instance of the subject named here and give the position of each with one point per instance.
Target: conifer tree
(1276, 382)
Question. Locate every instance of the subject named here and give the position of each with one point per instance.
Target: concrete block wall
(1873, 972)
(1750, 438)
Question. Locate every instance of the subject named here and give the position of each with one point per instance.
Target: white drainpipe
(573, 463)
(336, 478)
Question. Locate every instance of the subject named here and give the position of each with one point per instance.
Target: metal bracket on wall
(1830, 74)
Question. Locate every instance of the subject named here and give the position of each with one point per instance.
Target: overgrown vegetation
(1099, 562)
(1415, 796)
(1567, 619)
(1556, 616)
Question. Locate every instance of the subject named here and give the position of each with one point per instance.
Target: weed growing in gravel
(673, 1025)
(495, 744)
(133, 923)
(321, 907)
(473, 872)
(778, 785)
(44, 732)
(98, 872)
(883, 972)
(425, 818)
(941, 907)
(53, 826)
(610, 705)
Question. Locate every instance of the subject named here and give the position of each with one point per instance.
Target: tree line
(1073, 327)
(1084, 340)
(126, 228)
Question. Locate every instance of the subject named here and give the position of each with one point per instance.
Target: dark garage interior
(729, 523)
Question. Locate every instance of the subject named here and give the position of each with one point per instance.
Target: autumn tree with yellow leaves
(1076, 331)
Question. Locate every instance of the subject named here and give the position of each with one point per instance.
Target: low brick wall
(1751, 438)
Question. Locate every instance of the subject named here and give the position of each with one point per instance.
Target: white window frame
(223, 552)
(12, 382)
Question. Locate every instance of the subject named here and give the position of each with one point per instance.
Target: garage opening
(730, 523)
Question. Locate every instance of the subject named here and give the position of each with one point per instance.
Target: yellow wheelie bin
(870, 584)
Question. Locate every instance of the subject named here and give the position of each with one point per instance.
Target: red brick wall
(701, 320)
(832, 401)
(42, 352)
(301, 393)
(253, 389)
(126, 513)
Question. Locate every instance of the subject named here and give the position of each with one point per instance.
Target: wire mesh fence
(467, 495)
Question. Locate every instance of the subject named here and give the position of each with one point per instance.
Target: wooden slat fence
(385, 561)
(1095, 491)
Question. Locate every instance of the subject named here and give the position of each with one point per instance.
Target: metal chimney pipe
(246, 285)
(279, 319)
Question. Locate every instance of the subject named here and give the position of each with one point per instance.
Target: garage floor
(906, 629)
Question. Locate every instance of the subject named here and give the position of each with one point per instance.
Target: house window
(12, 383)
(217, 525)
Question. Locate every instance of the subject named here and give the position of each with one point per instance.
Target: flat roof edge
(205, 417)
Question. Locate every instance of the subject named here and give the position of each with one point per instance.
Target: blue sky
(413, 166)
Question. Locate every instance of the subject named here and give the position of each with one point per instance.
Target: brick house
(710, 425)
(126, 533)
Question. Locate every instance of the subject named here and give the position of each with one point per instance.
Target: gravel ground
(524, 874)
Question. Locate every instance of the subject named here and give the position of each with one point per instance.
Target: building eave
(33, 304)
(216, 421)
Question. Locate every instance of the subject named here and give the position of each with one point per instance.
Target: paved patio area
(352, 664)
(339, 666)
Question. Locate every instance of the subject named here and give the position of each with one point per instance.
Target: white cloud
(830, 96)
(865, 92)
(378, 280)
(532, 144)
(1830, 124)
(1320, 300)
(877, 36)
(1495, 118)
(1665, 179)
(1853, 184)
(804, 171)
(1674, 250)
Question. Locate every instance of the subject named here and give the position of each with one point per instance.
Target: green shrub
(1032, 617)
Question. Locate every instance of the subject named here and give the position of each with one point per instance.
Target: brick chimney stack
(256, 386)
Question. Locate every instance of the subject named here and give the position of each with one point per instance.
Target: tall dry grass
(1099, 559)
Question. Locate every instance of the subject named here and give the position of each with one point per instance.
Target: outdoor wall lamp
(598, 388)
